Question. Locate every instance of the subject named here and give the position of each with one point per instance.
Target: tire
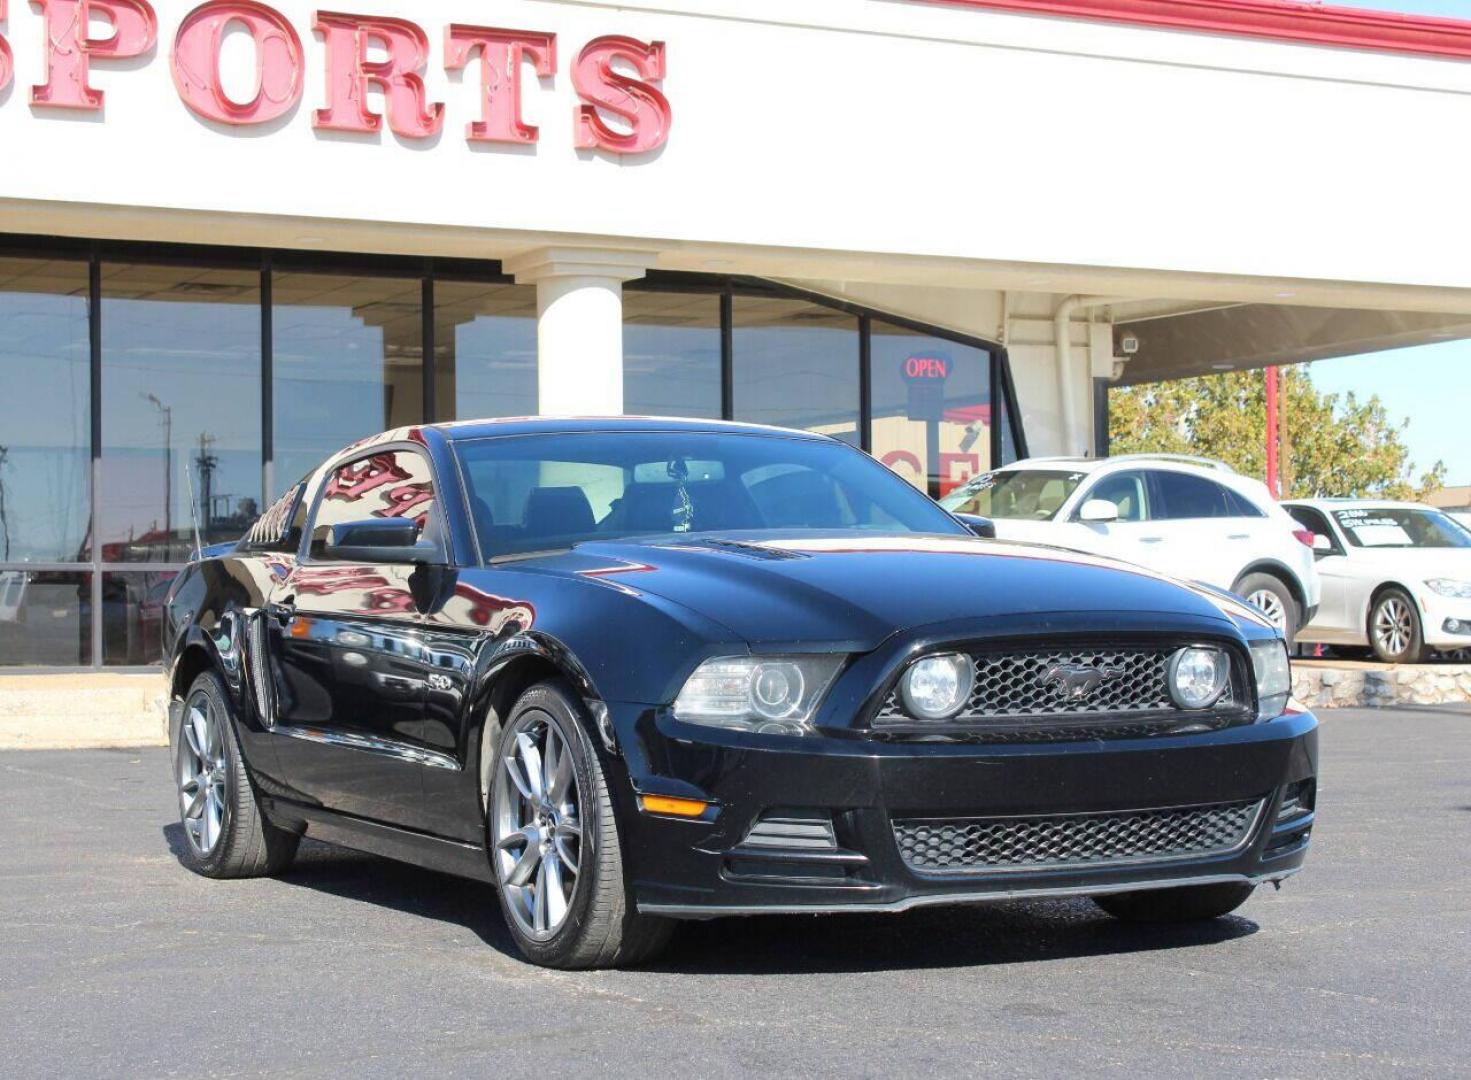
(225, 833)
(1270, 595)
(549, 814)
(1394, 628)
(1190, 903)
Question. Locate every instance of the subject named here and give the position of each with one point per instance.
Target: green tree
(1340, 446)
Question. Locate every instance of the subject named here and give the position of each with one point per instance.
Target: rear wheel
(1274, 599)
(1190, 903)
(225, 833)
(1394, 628)
(555, 845)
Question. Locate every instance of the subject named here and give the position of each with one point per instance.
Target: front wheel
(1189, 903)
(225, 833)
(555, 845)
(1274, 599)
(1394, 629)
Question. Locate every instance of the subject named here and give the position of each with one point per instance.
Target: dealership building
(236, 236)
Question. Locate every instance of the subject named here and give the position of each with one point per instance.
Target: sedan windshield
(532, 493)
(1030, 494)
(1398, 527)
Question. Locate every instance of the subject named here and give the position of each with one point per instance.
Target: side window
(1313, 522)
(1183, 496)
(1127, 491)
(388, 484)
(1238, 505)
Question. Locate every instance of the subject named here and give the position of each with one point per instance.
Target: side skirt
(430, 852)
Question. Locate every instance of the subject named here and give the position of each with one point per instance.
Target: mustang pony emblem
(1075, 682)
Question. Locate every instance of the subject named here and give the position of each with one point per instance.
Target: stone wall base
(1326, 684)
(65, 712)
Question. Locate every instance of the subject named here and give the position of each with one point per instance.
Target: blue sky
(1430, 385)
(1452, 9)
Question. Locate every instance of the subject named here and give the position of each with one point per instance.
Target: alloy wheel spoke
(194, 722)
(529, 861)
(531, 767)
(195, 806)
(560, 779)
(539, 909)
(513, 769)
(556, 898)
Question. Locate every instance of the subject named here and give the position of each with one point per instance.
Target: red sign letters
(617, 112)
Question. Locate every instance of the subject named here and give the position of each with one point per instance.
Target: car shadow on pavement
(1006, 932)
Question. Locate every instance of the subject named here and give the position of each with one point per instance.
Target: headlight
(1273, 677)
(1198, 676)
(757, 693)
(1450, 587)
(937, 687)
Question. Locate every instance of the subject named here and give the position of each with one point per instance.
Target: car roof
(459, 430)
(1184, 462)
(1358, 504)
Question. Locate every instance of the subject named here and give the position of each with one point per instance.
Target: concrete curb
(1338, 684)
(76, 712)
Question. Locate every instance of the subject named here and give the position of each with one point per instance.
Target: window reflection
(347, 358)
(484, 350)
(796, 365)
(671, 353)
(45, 383)
(45, 618)
(181, 440)
(132, 617)
(931, 407)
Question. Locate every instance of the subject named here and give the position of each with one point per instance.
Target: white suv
(1189, 517)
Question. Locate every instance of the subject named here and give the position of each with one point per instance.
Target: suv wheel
(1394, 629)
(554, 842)
(1190, 903)
(225, 833)
(1273, 598)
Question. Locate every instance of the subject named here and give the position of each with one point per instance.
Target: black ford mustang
(634, 671)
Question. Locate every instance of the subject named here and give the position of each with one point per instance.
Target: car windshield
(1397, 527)
(1031, 494)
(531, 493)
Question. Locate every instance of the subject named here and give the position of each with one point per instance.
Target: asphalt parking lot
(114, 960)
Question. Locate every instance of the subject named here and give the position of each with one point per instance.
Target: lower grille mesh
(976, 844)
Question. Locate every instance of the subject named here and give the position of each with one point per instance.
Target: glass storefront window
(484, 350)
(45, 618)
(796, 366)
(181, 386)
(46, 438)
(931, 407)
(132, 617)
(671, 353)
(348, 360)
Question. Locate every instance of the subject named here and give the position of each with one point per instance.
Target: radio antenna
(193, 516)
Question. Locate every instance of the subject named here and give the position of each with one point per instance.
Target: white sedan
(1396, 577)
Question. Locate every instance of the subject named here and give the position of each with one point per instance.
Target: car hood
(856, 590)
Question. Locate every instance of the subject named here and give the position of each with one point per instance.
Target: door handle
(1239, 536)
(1150, 539)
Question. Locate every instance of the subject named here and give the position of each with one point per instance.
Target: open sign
(923, 367)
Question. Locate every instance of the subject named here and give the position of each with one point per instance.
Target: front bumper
(707, 867)
(1440, 614)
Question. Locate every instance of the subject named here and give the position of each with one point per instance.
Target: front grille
(1022, 685)
(970, 845)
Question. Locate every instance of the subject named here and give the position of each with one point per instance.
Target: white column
(579, 325)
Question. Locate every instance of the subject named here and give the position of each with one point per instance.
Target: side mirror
(1322, 545)
(1098, 512)
(378, 540)
(985, 528)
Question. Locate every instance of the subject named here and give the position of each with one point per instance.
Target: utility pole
(207, 463)
(4, 519)
(167, 413)
(1272, 477)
